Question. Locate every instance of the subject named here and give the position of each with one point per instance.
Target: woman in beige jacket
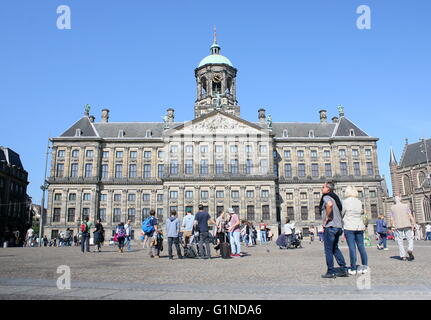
(354, 229)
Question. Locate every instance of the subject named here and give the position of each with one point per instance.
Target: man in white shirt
(128, 227)
(428, 232)
(29, 237)
(288, 231)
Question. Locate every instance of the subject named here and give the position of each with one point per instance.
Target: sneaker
(385, 249)
(404, 259)
(232, 255)
(411, 256)
(342, 273)
(328, 276)
(352, 272)
(364, 269)
(378, 247)
(156, 256)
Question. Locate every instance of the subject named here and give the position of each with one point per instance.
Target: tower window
(216, 87)
(204, 86)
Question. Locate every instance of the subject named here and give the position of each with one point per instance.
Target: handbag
(116, 237)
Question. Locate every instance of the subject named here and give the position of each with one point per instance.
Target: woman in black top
(99, 235)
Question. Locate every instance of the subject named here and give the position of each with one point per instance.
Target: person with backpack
(201, 222)
(120, 232)
(85, 239)
(172, 232)
(150, 230)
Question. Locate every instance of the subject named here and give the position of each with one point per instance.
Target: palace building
(264, 170)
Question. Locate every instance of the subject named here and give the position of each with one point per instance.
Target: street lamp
(43, 187)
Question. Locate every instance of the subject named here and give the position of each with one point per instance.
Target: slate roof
(84, 124)
(413, 156)
(11, 157)
(344, 127)
(301, 130)
(131, 129)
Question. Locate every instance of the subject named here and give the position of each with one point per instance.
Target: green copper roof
(215, 58)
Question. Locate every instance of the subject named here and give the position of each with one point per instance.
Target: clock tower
(216, 84)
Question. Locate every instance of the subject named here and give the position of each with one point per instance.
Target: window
(160, 154)
(342, 153)
(204, 167)
(104, 171)
(132, 171)
(314, 170)
(250, 213)
(118, 171)
(313, 154)
(326, 154)
(374, 211)
(219, 149)
(368, 153)
(57, 197)
(220, 194)
(147, 154)
(304, 213)
(235, 209)
(160, 170)
(291, 213)
(219, 210)
(75, 153)
(287, 154)
(301, 170)
(343, 168)
(357, 168)
(248, 148)
(71, 215)
(60, 170)
(204, 194)
(355, 152)
(300, 154)
(173, 194)
(250, 194)
(102, 214)
(54, 233)
(189, 194)
(235, 194)
(303, 196)
(174, 149)
(87, 197)
(285, 133)
(159, 197)
(370, 169)
(117, 215)
(160, 214)
(103, 197)
(328, 170)
(288, 170)
(316, 195)
(85, 213)
(131, 214)
(89, 153)
(289, 196)
(263, 148)
(72, 196)
(234, 166)
(146, 197)
(373, 194)
(264, 194)
(421, 179)
(147, 170)
(61, 153)
(133, 154)
(189, 149)
(311, 133)
(105, 154)
(56, 215)
(188, 167)
(117, 197)
(204, 149)
(145, 213)
(264, 166)
(248, 166)
(219, 166)
(174, 167)
(360, 194)
(88, 170)
(119, 154)
(234, 148)
(265, 212)
(131, 197)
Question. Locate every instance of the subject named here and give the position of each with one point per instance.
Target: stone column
(258, 211)
(273, 205)
(64, 205)
(124, 201)
(212, 201)
(67, 162)
(109, 207)
(139, 216)
(227, 203)
(243, 208)
(180, 212)
(196, 198)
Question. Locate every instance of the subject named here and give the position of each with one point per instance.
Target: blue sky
(138, 57)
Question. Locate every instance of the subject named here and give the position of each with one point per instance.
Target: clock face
(217, 78)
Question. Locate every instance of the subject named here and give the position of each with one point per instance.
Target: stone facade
(263, 170)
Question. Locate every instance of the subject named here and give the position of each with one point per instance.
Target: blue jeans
(235, 244)
(331, 236)
(263, 236)
(85, 241)
(428, 236)
(383, 238)
(127, 242)
(356, 239)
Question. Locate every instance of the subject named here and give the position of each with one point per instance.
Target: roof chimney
(334, 119)
(105, 115)
(323, 117)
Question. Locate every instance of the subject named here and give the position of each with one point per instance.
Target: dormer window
(311, 134)
(121, 134)
(352, 133)
(285, 133)
(78, 132)
(148, 134)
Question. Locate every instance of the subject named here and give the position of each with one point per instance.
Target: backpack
(121, 232)
(147, 226)
(84, 227)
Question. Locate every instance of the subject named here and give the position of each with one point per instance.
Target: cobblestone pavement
(265, 273)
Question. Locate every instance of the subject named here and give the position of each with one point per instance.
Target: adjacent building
(264, 170)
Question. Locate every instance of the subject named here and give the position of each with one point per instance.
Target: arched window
(204, 86)
(285, 133)
(229, 85)
(216, 88)
(352, 132)
(311, 134)
(427, 209)
(407, 185)
(421, 178)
